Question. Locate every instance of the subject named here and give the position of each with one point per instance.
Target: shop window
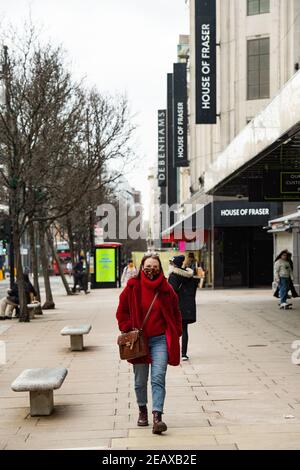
(258, 7)
(258, 69)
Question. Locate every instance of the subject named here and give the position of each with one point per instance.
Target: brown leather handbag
(132, 345)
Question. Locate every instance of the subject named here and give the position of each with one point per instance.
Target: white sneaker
(185, 358)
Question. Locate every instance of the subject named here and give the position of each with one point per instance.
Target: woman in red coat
(162, 332)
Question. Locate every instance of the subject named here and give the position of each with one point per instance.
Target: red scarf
(155, 324)
(152, 284)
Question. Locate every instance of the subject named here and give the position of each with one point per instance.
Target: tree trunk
(24, 313)
(91, 240)
(49, 304)
(92, 228)
(71, 240)
(56, 257)
(86, 248)
(35, 269)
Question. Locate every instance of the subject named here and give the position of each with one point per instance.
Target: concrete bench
(40, 384)
(76, 335)
(31, 307)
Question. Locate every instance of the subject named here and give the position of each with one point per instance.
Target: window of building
(258, 7)
(258, 73)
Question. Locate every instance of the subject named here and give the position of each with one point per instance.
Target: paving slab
(236, 391)
(167, 441)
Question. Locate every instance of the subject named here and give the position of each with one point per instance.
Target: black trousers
(184, 339)
(78, 281)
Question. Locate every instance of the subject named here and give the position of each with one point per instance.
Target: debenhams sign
(162, 148)
(206, 84)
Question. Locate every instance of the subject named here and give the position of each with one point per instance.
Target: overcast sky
(120, 46)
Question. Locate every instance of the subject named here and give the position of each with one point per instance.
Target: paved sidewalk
(240, 389)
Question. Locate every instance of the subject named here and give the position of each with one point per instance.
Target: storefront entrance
(243, 257)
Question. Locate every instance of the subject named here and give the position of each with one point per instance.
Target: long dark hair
(284, 252)
(148, 256)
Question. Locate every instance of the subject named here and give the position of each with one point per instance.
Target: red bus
(63, 251)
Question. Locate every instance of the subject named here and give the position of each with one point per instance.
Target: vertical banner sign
(172, 170)
(206, 83)
(180, 115)
(162, 148)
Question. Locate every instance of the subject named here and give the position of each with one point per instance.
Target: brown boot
(143, 416)
(158, 425)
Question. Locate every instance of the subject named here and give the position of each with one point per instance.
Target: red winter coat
(129, 314)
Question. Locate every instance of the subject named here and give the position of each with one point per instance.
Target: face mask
(152, 273)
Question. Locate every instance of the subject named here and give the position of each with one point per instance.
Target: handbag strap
(149, 311)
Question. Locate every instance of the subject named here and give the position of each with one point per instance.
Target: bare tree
(57, 143)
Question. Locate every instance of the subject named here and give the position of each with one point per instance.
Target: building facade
(257, 55)
(258, 52)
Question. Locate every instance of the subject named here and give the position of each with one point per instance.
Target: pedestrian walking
(185, 285)
(69, 268)
(129, 272)
(191, 262)
(123, 264)
(80, 277)
(201, 273)
(162, 332)
(282, 275)
(292, 289)
(294, 293)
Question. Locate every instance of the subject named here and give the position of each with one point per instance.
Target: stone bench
(31, 307)
(40, 384)
(76, 335)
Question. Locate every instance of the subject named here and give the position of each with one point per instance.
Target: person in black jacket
(80, 276)
(185, 286)
(30, 291)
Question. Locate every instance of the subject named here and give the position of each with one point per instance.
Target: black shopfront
(242, 251)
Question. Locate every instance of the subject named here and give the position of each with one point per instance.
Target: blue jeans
(159, 355)
(284, 285)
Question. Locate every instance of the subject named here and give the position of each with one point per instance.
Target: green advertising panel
(105, 265)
